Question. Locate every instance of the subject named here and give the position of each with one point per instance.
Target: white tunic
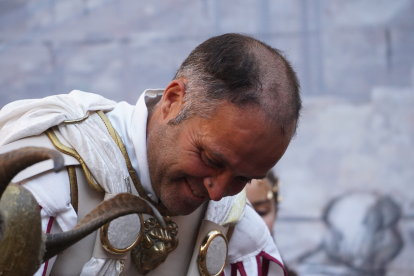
(251, 249)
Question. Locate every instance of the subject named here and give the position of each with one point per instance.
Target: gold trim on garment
(66, 150)
(202, 257)
(147, 253)
(115, 136)
(230, 232)
(73, 187)
(75, 121)
(106, 244)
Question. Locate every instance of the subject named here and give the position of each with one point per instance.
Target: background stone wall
(355, 60)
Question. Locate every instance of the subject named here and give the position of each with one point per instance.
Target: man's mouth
(197, 194)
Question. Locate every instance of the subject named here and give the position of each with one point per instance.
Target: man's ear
(173, 99)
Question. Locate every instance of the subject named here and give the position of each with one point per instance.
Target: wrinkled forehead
(245, 137)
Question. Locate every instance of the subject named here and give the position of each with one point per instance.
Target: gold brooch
(213, 254)
(155, 245)
(109, 234)
(151, 246)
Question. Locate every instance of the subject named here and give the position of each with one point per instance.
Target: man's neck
(153, 114)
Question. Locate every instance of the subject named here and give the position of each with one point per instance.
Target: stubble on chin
(161, 153)
(172, 198)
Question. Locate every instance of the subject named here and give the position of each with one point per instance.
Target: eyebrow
(220, 158)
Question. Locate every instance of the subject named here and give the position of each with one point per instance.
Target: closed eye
(262, 213)
(209, 162)
(217, 165)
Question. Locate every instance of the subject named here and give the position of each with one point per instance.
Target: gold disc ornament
(213, 254)
(122, 234)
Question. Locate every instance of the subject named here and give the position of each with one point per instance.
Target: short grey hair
(243, 71)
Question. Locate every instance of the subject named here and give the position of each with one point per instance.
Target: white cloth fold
(96, 147)
(103, 267)
(131, 124)
(24, 118)
(250, 238)
(228, 211)
(55, 198)
(93, 143)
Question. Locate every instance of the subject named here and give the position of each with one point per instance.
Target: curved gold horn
(21, 248)
(11, 163)
(119, 205)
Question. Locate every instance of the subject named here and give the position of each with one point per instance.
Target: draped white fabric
(96, 147)
(228, 211)
(93, 143)
(250, 238)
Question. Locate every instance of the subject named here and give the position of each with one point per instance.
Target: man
(226, 118)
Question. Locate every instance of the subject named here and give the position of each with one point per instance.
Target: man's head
(227, 117)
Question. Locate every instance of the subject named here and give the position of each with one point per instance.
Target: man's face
(201, 159)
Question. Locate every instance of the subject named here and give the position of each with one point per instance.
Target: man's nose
(217, 187)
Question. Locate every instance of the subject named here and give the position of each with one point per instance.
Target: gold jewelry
(106, 243)
(202, 257)
(269, 195)
(152, 248)
(155, 245)
(275, 188)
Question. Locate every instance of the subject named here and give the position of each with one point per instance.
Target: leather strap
(74, 195)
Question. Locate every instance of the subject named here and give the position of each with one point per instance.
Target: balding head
(239, 100)
(244, 71)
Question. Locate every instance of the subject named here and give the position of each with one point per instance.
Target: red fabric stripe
(40, 208)
(49, 226)
(241, 268)
(45, 268)
(233, 269)
(265, 268)
(259, 265)
(266, 259)
(222, 273)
